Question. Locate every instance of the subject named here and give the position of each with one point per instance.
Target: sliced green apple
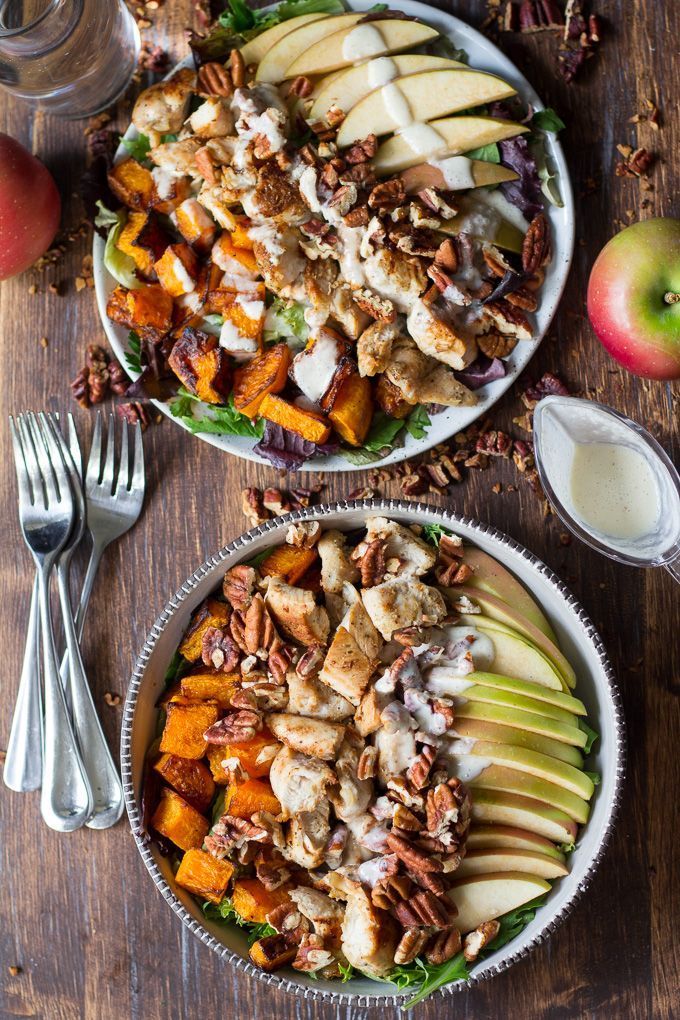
(468, 173)
(499, 777)
(537, 692)
(345, 88)
(482, 898)
(354, 43)
(400, 102)
(487, 837)
(525, 812)
(482, 729)
(491, 576)
(525, 759)
(493, 696)
(486, 862)
(254, 51)
(500, 612)
(450, 136)
(277, 59)
(514, 655)
(528, 722)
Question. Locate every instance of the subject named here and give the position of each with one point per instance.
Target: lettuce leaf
(241, 22)
(224, 913)
(133, 355)
(138, 147)
(285, 320)
(217, 420)
(384, 432)
(547, 120)
(119, 265)
(489, 153)
(591, 736)
(433, 532)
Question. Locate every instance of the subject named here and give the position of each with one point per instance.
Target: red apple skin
(30, 208)
(629, 281)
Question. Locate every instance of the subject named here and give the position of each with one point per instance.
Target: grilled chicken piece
(319, 280)
(347, 669)
(421, 379)
(275, 197)
(415, 556)
(307, 835)
(212, 119)
(308, 696)
(369, 935)
(299, 782)
(325, 914)
(395, 278)
(162, 108)
(396, 751)
(357, 622)
(347, 313)
(374, 347)
(367, 716)
(352, 796)
(279, 261)
(403, 602)
(177, 158)
(314, 737)
(296, 613)
(336, 566)
(437, 336)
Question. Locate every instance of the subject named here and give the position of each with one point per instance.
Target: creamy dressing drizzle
(363, 41)
(381, 70)
(396, 105)
(422, 138)
(456, 171)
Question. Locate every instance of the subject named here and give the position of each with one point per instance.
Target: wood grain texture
(78, 913)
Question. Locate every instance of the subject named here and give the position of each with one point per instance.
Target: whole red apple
(30, 208)
(634, 298)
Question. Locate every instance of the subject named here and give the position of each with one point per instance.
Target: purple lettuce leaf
(525, 192)
(288, 451)
(483, 370)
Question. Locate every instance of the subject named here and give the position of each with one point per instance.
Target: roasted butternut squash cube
(190, 778)
(175, 192)
(195, 224)
(202, 366)
(272, 952)
(185, 725)
(244, 799)
(240, 237)
(390, 399)
(177, 269)
(213, 685)
(353, 409)
(150, 306)
(211, 613)
(144, 240)
(117, 307)
(204, 875)
(266, 373)
(178, 821)
(256, 755)
(289, 562)
(224, 250)
(308, 424)
(216, 755)
(132, 184)
(253, 902)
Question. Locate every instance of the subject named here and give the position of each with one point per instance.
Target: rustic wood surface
(78, 913)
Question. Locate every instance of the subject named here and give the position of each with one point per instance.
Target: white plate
(577, 638)
(484, 56)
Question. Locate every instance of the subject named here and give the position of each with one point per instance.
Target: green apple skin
(528, 722)
(485, 862)
(499, 837)
(498, 777)
(493, 696)
(482, 898)
(495, 732)
(516, 809)
(634, 298)
(536, 692)
(535, 763)
(515, 655)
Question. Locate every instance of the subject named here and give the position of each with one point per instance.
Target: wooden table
(79, 914)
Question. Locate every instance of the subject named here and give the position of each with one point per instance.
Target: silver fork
(47, 513)
(101, 771)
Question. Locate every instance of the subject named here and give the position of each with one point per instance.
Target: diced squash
(190, 778)
(202, 366)
(227, 248)
(211, 613)
(220, 300)
(150, 306)
(353, 409)
(308, 424)
(272, 952)
(171, 693)
(178, 821)
(240, 237)
(289, 562)
(132, 184)
(390, 399)
(256, 755)
(244, 799)
(195, 224)
(216, 755)
(117, 307)
(345, 368)
(178, 190)
(144, 240)
(266, 373)
(185, 725)
(253, 902)
(240, 318)
(177, 269)
(204, 875)
(214, 686)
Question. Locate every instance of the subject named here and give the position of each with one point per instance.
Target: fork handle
(24, 760)
(101, 771)
(88, 584)
(66, 797)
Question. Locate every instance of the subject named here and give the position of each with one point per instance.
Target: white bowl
(577, 638)
(485, 57)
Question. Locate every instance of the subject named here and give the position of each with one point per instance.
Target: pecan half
(479, 938)
(424, 909)
(287, 919)
(444, 946)
(259, 632)
(312, 955)
(412, 856)
(253, 507)
(370, 558)
(278, 662)
(238, 586)
(387, 194)
(231, 833)
(536, 245)
(214, 80)
(495, 345)
(219, 650)
(411, 944)
(419, 769)
(238, 69)
(272, 870)
(311, 661)
(236, 728)
(301, 87)
(391, 890)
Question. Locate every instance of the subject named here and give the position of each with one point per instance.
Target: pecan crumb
(112, 699)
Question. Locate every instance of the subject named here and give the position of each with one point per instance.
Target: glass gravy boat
(567, 431)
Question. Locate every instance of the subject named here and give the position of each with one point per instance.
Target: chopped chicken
(324, 913)
(367, 716)
(415, 555)
(374, 347)
(296, 613)
(336, 566)
(395, 278)
(402, 602)
(299, 782)
(308, 696)
(161, 109)
(177, 158)
(212, 119)
(436, 336)
(347, 313)
(314, 737)
(369, 935)
(319, 277)
(422, 380)
(275, 197)
(351, 796)
(358, 623)
(396, 751)
(307, 835)
(218, 199)
(346, 668)
(279, 261)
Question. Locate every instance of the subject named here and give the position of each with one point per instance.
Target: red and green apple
(30, 208)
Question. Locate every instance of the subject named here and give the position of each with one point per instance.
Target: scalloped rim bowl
(484, 56)
(577, 637)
